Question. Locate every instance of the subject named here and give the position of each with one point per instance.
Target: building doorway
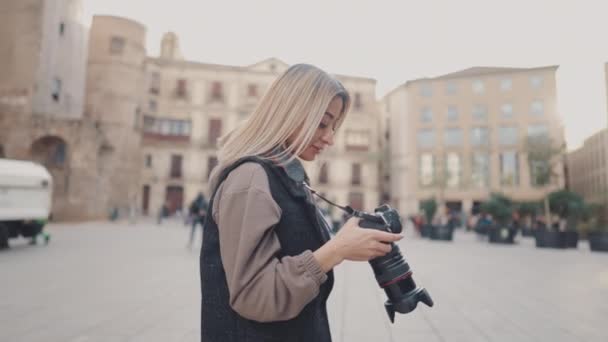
(174, 198)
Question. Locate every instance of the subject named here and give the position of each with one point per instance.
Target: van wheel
(3, 236)
(30, 229)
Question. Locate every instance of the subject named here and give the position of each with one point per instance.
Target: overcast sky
(394, 41)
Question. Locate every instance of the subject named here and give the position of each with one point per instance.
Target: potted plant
(570, 208)
(443, 228)
(527, 214)
(501, 209)
(429, 207)
(598, 236)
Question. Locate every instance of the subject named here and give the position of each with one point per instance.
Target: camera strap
(348, 209)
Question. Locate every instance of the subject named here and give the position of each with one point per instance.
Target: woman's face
(324, 136)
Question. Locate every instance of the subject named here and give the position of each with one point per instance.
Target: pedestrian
(267, 256)
(197, 213)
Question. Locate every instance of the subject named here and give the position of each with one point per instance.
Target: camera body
(392, 272)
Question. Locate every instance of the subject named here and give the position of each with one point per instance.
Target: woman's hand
(354, 243)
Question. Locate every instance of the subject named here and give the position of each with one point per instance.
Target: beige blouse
(262, 287)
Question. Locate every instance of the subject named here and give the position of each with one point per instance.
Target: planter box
(426, 229)
(598, 241)
(550, 239)
(502, 234)
(527, 232)
(571, 239)
(445, 233)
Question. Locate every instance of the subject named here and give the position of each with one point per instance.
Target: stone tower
(115, 83)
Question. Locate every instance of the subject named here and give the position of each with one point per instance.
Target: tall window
(117, 45)
(506, 84)
(355, 200)
(215, 131)
(480, 112)
(452, 114)
(61, 28)
(509, 168)
(536, 108)
(536, 81)
(426, 138)
(152, 105)
(56, 89)
(451, 88)
(357, 101)
(252, 90)
(426, 169)
(480, 136)
(453, 168)
(426, 90)
(324, 174)
(357, 140)
(538, 130)
(154, 83)
(453, 137)
(217, 91)
(211, 163)
(426, 114)
(176, 166)
(507, 135)
(539, 172)
(506, 111)
(355, 174)
(478, 87)
(148, 161)
(480, 170)
(182, 88)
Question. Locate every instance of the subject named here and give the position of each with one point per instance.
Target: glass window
(480, 175)
(478, 86)
(152, 105)
(426, 90)
(427, 169)
(426, 114)
(507, 135)
(536, 130)
(480, 136)
(509, 168)
(453, 137)
(506, 84)
(453, 169)
(536, 81)
(117, 45)
(506, 110)
(451, 88)
(452, 113)
(539, 172)
(426, 138)
(357, 140)
(537, 107)
(480, 112)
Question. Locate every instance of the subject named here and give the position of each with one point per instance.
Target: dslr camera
(392, 271)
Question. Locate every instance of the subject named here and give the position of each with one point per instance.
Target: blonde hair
(295, 102)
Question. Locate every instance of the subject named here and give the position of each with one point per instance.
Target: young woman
(267, 257)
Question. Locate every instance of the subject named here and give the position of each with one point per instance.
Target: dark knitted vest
(299, 229)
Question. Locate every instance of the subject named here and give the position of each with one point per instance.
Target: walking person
(267, 257)
(197, 213)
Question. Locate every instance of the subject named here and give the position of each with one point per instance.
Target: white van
(25, 199)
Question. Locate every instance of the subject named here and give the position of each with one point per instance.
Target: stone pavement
(119, 282)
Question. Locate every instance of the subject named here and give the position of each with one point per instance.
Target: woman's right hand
(360, 244)
(354, 243)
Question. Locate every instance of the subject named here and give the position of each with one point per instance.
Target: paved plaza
(121, 282)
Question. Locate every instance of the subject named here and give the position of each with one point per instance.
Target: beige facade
(461, 136)
(43, 88)
(588, 168)
(188, 105)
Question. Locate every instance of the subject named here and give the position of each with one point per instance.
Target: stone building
(188, 105)
(43, 88)
(460, 136)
